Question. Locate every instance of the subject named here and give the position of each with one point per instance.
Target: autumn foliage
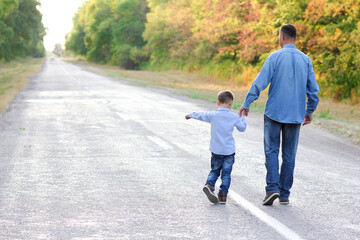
(229, 39)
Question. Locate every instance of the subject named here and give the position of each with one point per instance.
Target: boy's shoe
(284, 201)
(222, 197)
(209, 191)
(270, 197)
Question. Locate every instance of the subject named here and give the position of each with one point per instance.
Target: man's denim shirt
(291, 77)
(222, 126)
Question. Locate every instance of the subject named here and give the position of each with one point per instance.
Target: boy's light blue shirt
(291, 77)
(222, 126)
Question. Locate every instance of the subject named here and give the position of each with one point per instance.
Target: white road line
(160, 142)
(266, 218)
(123, 116)
(67, 73)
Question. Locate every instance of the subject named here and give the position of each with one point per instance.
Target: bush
(121, 57)
(139, 55)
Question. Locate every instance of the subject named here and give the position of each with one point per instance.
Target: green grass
(201, 96)
(325, 114)
(14, 76)
(5, 79)
(3, 90)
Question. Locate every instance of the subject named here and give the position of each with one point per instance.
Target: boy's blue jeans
(223, 164)
(289, 136)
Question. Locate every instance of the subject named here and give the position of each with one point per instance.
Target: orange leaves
(217, 20)
(255, 35)
(180, 22)
(327, 11)
(315, 10)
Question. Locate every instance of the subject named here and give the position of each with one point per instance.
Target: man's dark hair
(225, 96)
(289, 31)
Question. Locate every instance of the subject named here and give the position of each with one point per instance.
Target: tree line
(229, 39)
(21, 29)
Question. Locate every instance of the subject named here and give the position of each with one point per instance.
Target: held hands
(307, 120)
(187, 117)
(243, 111)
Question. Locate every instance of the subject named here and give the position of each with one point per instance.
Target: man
(291, 77)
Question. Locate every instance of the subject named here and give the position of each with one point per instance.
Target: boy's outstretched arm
(187, 117)
(202, 116)
(241, 124)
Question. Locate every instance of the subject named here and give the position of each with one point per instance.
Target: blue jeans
(223, 164)
(289, 136)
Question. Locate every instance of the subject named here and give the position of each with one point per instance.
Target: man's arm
(312, 90)
(260, 83)
(202, 116)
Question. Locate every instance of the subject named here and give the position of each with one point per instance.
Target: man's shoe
(209, 192)
(270, 197)
(222, 197)
(284, 201)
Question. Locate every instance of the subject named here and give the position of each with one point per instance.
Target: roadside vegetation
(223, 39)
(21, 46)
(21, 30)
(14, 76)
(339, 118)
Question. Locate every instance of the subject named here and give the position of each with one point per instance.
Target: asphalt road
(83, 156)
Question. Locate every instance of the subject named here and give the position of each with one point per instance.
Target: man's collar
(289, 46)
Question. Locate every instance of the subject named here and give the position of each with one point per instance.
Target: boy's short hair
(225, 96)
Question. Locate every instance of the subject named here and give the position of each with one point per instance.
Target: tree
(58, 50)
(21, 29)
(75, 40)
(156, 33)
(107, 31)
(127, 31)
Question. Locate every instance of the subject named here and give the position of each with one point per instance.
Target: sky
(57, 18)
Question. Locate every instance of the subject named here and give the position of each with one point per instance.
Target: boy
(222, 144)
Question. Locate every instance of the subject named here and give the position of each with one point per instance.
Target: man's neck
(288, 42)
